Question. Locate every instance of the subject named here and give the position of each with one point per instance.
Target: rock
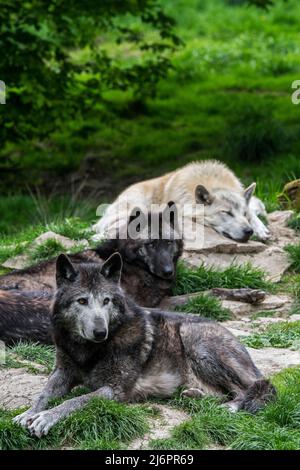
(213, 242)
(295, 317)
(280, 217)
(273, 260)
(67, 243)
(271, 360)
(219, 252)
(282, 235)
(253, 296)
(21, 261)
(238, 333)
(279, 304)
(17, 262)
(276, 303)
(247, 326)
(290, 196)
(18, 388)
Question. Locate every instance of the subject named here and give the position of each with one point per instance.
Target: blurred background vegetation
(102, 94)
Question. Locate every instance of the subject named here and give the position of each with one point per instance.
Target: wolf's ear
(172, 213)
(65, 270)
(248, 192)
(112, 268)
(203, 196)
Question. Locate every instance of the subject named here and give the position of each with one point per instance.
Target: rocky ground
(19, 386)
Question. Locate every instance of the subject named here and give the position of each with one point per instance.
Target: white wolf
(228, 207)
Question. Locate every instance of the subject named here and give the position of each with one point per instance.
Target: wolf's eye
(82, 301)
(106, 300)
(228, 213)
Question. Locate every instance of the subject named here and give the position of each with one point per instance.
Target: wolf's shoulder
(210, 173)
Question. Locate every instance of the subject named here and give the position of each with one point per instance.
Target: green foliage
(294, 222)
(49, 249)
(68, 215)
(12, 437)
(275, 427)
(40, 354)
(107, 424)
(33, 216)
(277, 335)
(193, 280)
(257, 435)
(253, 134)
(54, 68)
(232, 55)
(294, 254)
(215, 422)
(206, 306)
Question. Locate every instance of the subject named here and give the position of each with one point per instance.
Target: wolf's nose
(99, 335)
(249, 232)
(168, 271)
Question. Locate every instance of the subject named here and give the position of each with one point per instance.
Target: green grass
(15, 239)
(34, 352)
(206, 306)
(276, 427)
(49, 249)
(294, 254)
(69, 215)
(257, 435)
(294, 222)
(193, 280)
(277, 335)
(105, 424)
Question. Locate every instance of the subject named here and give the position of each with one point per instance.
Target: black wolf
(149, 268)
(124, 352)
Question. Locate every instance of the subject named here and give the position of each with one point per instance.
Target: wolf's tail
(25, 316)
(258, 395)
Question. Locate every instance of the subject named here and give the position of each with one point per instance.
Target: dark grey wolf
(124, 352)
(149, 269)
(25, 316)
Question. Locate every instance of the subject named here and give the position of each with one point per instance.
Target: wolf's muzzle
(99, 334)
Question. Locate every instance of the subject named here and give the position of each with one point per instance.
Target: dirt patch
(19, 388)
(161, 426)
(272, 360)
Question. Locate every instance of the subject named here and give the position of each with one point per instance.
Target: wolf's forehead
(232, 200)
(91, 280)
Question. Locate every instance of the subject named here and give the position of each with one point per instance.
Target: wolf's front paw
(260, 230)
(263, 233)
(24, 417)
(40, 424)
